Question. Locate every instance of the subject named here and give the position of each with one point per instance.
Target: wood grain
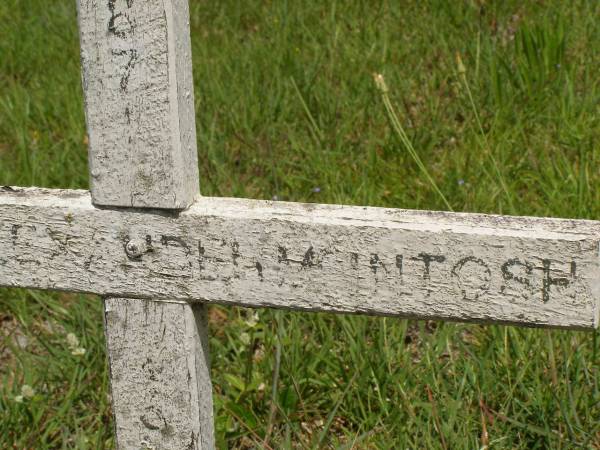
(159, 374)
(139, 102)
(466, 267)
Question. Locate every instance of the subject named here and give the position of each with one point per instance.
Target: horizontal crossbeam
(465, 267)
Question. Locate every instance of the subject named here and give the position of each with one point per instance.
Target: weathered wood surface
(137, 78)
(160, 381)
(531, 271)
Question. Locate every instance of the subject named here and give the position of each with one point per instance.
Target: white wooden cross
(157, 252)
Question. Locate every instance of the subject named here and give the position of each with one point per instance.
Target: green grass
(287, 103)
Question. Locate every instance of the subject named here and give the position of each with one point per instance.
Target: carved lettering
(282, 255)
(310, 258)
(259, 269)
(235, 252)
(175, 241)
(427, 260)
(119, 24)
(223, 259)
(399, 260)
(375, 263)
(354, 260)
(14, 231)
(508, 274)
(201, 251)
(473, 276)
(549, 281)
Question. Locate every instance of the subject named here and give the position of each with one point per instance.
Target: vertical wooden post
(137, 80)
(160, 376)
(139, 101)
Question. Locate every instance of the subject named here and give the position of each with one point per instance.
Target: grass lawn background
(287, 108)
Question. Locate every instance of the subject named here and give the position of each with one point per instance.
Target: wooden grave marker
(145, 240)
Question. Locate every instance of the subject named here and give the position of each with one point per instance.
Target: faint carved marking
(115, 22)
(201, 252)
(176, 242)
(235, 252)
(282, 256)
(399, 261)
(132, 57)
(259, 269)
(146, 422)
(14, 231)
(354, 260)
(127, 114)
(310, 258)
(61, 239)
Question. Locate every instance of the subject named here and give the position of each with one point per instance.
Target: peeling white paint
(150, 263)
(159, 372)
(137, 79)
(139, 98)
(465, 267)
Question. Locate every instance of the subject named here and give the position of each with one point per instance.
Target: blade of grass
(334, 411)
(397, 126)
